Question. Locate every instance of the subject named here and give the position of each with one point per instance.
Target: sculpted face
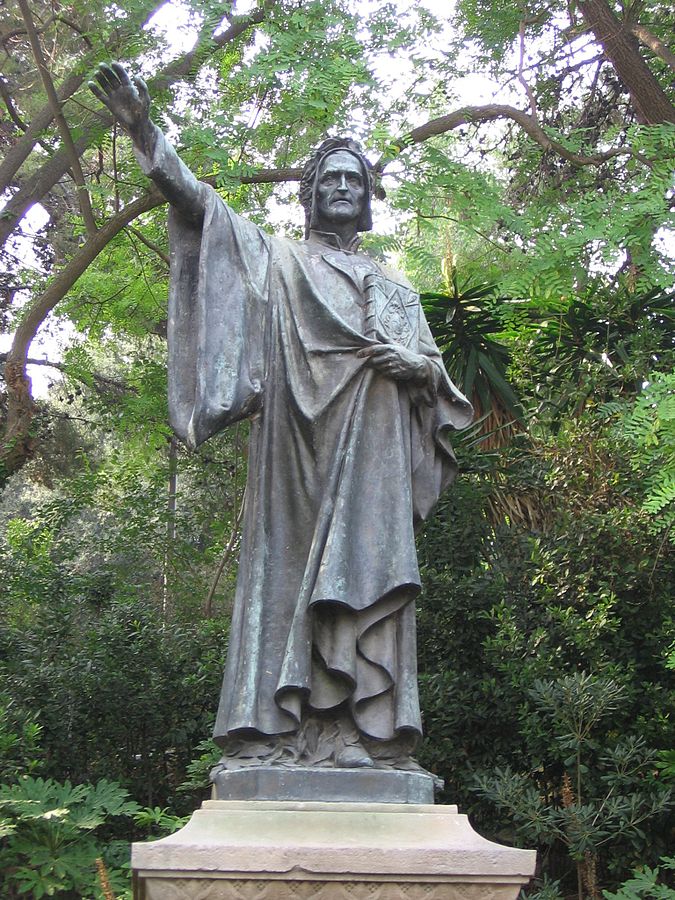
(340, 190)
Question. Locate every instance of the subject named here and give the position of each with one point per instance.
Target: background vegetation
(526, 151)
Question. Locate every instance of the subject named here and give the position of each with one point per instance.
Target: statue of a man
(327, 352)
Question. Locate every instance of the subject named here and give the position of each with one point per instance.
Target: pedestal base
(303, 784)
(253, 850)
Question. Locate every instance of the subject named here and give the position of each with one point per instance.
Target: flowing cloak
(343, 462)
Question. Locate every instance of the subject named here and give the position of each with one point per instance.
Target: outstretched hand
(396, 361)
(129, 102)
(126, 98)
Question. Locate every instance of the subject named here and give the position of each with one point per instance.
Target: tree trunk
(649, 100)
(17, 443)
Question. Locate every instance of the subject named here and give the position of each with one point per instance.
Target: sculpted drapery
(343, 463)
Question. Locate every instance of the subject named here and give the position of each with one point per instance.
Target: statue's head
(336, 186)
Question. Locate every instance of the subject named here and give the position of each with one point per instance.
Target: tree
(310, 65)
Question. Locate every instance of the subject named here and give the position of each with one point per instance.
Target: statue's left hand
(397, 362)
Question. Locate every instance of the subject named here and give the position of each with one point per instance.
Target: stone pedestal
(258, 850)
(303, 784)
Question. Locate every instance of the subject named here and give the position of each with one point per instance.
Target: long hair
(311, 170)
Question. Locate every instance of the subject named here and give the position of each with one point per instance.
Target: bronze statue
(327, 352)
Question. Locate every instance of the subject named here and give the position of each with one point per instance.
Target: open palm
(127, 99)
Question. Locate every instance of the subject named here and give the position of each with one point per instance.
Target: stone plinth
(302, 784)
(256, 850)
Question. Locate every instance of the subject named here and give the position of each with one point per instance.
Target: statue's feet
(354, 757)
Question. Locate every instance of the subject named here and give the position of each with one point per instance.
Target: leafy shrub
(119, 694)
(19, 740)
(603, 798)
(646, 883)
(538, 566)
(49, 836)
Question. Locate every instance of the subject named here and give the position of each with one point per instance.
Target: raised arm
(129, 102)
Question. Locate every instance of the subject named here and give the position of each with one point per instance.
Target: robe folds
(343, 463)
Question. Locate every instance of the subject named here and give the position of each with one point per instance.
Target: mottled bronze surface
(326, 350)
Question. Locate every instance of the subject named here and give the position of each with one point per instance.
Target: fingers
(111, 78)
(388, 363)
(142, 89)
(107, 78)
(121, 73)
(375, 350)
(112, 86)
(383, 358)
(388, 366)
(391, 360)
(97, 92)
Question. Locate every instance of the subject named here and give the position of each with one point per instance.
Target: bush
(49, 837)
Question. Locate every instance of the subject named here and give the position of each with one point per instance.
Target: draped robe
(343, 463)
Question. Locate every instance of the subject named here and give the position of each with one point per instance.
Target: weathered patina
(326, 350)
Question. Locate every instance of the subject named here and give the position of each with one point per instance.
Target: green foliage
(665, 762)
(120, 694)
(648, 426)
(584, 821)
(646, 882)
(159, 821)
(539, 566)
(19, 740)
(199, 769)
(50, 843)
(544, 888)
(544, 245)
(464, 325)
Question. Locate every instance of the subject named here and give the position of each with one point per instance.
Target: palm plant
(466, 330)
(600, 344)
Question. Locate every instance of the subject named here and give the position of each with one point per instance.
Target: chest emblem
(391, 311)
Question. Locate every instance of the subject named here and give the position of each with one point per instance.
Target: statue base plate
(327, 851)
(297, 783)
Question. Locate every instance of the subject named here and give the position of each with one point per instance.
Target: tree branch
(17, 32)
(184, 66)
(521, 77)
(655, 44)
(102, 382)
(462, 224)
(66, 137)
(650, 102)
(41, 183)
(76, 28)
(9, 103)
(14, 114)
(489, 113)
(92, 127)
(19, 152)
(17, 443)
(63, 280)
(227, 553)
(150, 244)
